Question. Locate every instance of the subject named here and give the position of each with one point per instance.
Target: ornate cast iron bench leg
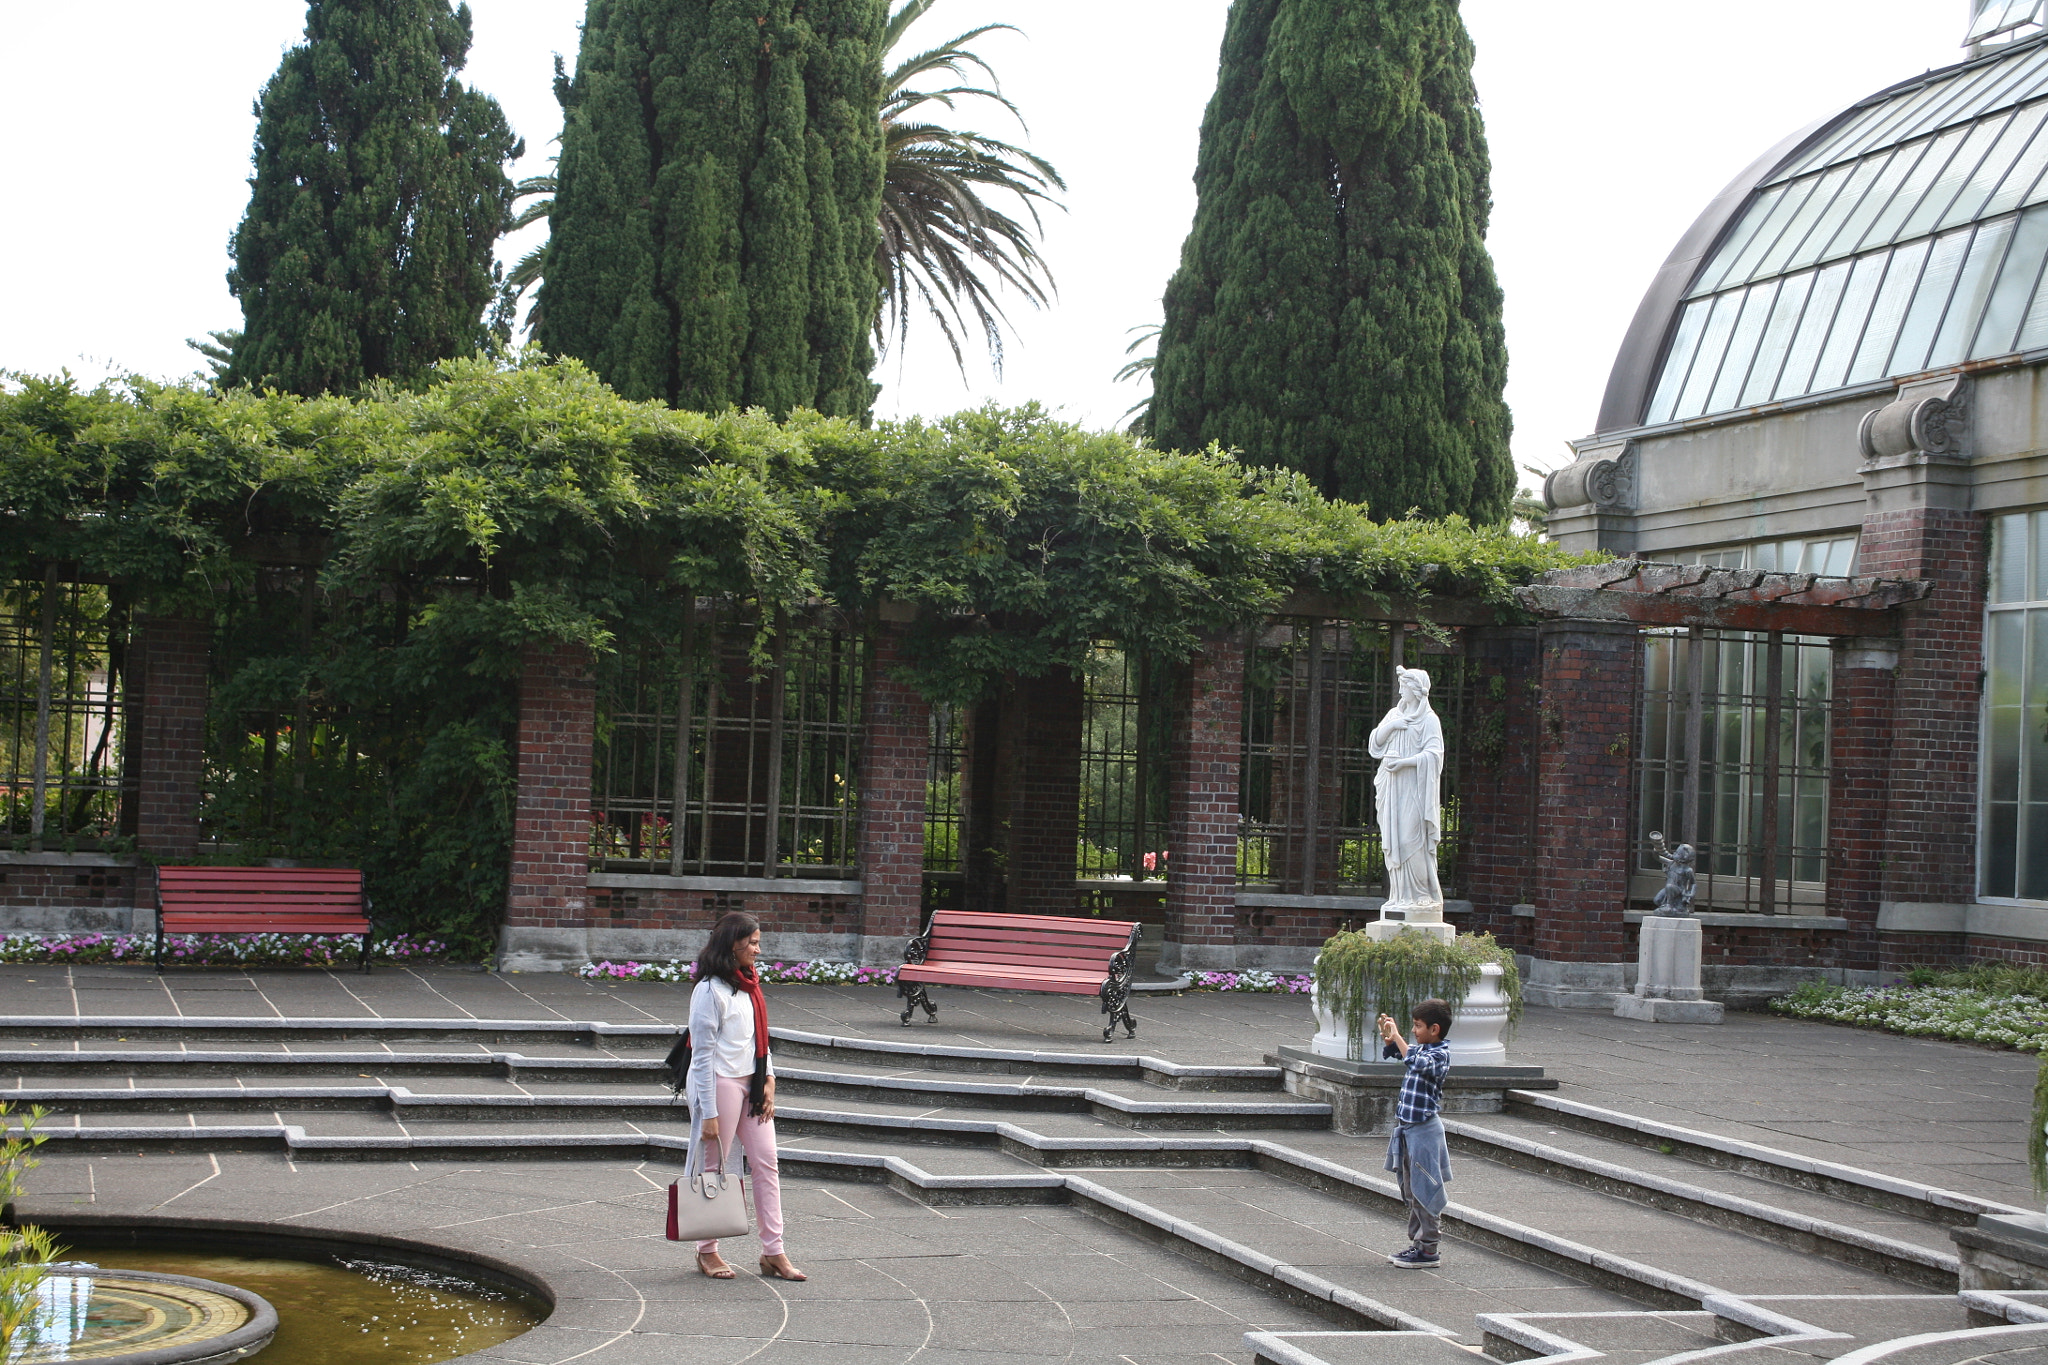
(1116, 998)
(915, 998)
(913, 993)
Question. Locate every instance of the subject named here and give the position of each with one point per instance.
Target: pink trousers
(757, 1138)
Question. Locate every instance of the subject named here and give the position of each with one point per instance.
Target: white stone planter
(1475, 1037)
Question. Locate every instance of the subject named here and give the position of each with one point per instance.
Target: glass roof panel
(1949, 184)
(1973, 291)
(1850, 318)
(2017, 187)
(1742, 343)
(1901, 277)
(1958, 96)
(1821, 303)
(2016, 136)
(1713, 345)
(1885, 228)
(1777, 340)
(1855, 224)
(1827, 187)
(2007, 305)
(1930, 303)
(1679, 361)
(1739, 242)
(2034, 331)
(1844, 210)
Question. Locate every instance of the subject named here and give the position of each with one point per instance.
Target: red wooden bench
(1062, 954)
(262, 900)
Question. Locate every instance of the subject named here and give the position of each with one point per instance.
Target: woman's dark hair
(717, 958)
(1434, 1012)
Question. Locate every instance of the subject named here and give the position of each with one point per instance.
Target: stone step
(1836, 1180)
(37, 1035)
(1890, 1243)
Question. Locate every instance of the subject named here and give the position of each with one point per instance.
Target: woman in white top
(731, 1085)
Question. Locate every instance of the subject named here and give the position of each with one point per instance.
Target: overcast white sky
(1612, 123)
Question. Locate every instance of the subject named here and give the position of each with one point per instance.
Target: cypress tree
(1335, 310)
(714, 233)
(378, 196)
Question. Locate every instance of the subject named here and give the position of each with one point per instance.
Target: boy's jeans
(1423, 1226)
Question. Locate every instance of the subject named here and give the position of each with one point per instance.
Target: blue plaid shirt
(1422, 1089)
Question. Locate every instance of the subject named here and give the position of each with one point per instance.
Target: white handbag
(708, 1205)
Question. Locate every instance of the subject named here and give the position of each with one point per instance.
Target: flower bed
(772, 973)
(1254, 980)
(218, 950)
(1964, 1013)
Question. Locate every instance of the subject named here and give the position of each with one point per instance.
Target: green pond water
(349, 1312)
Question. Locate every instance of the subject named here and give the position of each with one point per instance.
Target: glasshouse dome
(1905, 234)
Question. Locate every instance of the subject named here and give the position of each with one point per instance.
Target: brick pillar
(1586, 727)
(1202, 785)
(546, 926)
(1041, 733)
(1930, 850)
(1497, 780)
(895, 768)
(1860, 758)
(173, 653)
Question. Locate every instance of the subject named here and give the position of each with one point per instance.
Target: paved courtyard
(1071, 1234)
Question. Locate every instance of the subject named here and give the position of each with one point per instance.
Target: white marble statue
(1409, 743)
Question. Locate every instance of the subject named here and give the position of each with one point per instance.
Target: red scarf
(757, 1086)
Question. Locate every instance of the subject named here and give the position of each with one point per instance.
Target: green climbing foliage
(1335, 310)
(375, 564)
(1358, 979)
(378, 196)
(715, 221)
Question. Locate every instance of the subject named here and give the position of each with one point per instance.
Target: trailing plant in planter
(1358, 978)
(25, 1252)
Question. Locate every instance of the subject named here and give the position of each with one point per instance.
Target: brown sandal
(773, 1271)
(721, 1272)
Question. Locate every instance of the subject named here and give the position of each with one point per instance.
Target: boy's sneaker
(1415, 1258)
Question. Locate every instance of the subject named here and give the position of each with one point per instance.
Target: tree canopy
(1335, 311)
(713, 233)
(378, 196)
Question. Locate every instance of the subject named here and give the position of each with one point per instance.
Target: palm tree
(943, 245)
(527, 273)
(1140, 368)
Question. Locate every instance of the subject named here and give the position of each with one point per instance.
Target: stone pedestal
(1361, 1095)
(1429, 921)
(1668, 976)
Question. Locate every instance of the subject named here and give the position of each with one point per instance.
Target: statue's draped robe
(1410, 816)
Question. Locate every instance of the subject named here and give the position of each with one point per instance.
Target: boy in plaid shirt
(1418, 1151)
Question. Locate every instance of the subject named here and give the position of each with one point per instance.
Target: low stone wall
(74, 893)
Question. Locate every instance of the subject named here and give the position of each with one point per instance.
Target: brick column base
(1201, 877)
(174, 653)
(547, 925)
(1497, 782)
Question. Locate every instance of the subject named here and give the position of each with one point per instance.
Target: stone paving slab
(891, 1279)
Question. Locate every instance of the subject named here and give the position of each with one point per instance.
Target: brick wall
(1586, 724)
(1976, 948)
(1860, 759)
(173, 653)
(1201, 841)
(1497, 781)
(551, 825)
(666, 908)
(895, 767)
(1931, 816)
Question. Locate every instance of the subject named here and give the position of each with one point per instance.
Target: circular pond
(348, 1310)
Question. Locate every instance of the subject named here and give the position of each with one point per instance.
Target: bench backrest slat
(1055, 941)
(231, 898)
